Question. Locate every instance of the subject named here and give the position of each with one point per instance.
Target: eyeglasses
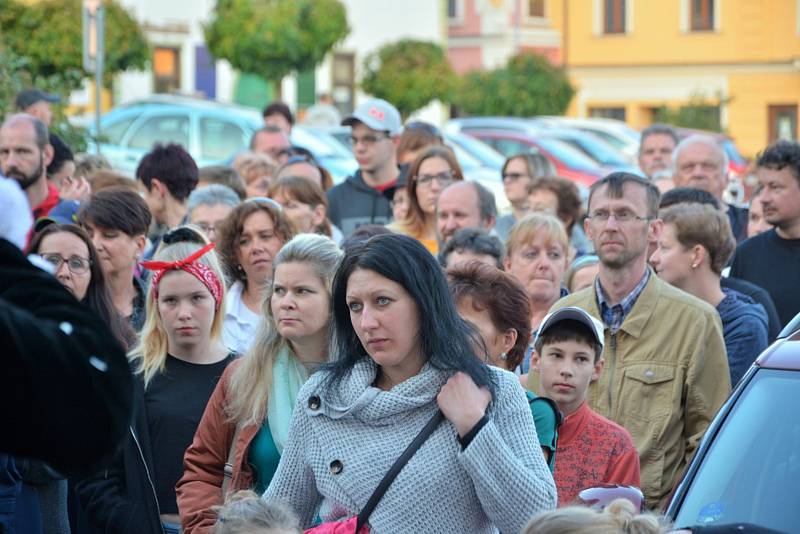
(209, 229)
(621, 216)
(368, 140)
(444, 179)
(513, 176)
(75, 264)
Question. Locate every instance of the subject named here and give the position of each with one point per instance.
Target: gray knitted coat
(342, 441)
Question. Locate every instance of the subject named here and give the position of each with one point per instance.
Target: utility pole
(93, 56)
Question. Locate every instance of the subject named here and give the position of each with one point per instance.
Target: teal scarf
(288, 376)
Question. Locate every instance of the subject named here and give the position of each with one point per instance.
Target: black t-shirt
(176, 400)
(773, 263)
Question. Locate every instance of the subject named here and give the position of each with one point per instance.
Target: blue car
(210, 131)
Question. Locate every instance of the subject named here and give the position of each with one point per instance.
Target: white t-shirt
(241, 322)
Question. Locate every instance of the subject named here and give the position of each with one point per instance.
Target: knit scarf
(288, 376)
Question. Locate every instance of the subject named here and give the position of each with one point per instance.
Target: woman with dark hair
(518, 172)
(77, 266)
(117, 220)
(402, 352)
(249, 239)
(498, 306)
(561, 198)
(433, 170)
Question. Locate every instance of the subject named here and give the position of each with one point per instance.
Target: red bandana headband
(189, 264)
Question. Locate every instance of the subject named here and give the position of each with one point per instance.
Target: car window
(571, 157)
(220, 139)
(161, 129)
(112, 133)
(509, 147)
(751, 472)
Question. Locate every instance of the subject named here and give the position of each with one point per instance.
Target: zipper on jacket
(611, 370)
(149, 478)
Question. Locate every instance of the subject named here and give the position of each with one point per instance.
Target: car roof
(782, 355)
(194, 102)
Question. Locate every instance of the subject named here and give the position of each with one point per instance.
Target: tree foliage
(409, 74)
(48, 35)
(272, 38)
(699, 112)
(528, 85)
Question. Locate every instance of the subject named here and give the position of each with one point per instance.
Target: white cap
(575, 314)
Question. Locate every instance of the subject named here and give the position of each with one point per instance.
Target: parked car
(616, 133)
(594, 147)
(485, 154)
(570, 163)
(747, 467)
(210, 131)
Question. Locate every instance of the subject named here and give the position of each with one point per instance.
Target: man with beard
(25, 153)
(666, 368)
(772, 259)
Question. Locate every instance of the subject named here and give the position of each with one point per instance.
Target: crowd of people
(292, 341)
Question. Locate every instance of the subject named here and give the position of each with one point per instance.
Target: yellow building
(627, 58)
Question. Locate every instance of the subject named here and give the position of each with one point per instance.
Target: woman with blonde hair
(179, 359)
(245, 427)
(433, 170)
(619, 517)
(537, 253)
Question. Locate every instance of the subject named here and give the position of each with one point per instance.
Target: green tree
(48, 34)
(409, 74)
(699, 112)
(273, 38)
(528, 85)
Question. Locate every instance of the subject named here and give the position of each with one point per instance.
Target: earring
(503, 356)
(694, 265)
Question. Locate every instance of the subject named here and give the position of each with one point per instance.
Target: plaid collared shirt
(614, 315)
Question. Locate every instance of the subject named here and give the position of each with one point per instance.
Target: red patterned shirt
(593, 451)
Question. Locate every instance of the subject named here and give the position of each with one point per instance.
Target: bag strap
(390, 475)
(227, 474)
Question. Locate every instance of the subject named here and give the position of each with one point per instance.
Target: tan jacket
(200, 487)
(665, 377)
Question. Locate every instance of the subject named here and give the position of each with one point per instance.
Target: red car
(570, 163)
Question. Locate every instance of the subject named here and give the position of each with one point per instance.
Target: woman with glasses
(249, 239)
(178, 361)
(518, 173)
(117, 220)
(247, 419)
(69, 250)
(434, 169)
(209, 205)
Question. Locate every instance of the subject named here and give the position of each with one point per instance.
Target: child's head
(245, 513)
(568, 356)
(619, 517)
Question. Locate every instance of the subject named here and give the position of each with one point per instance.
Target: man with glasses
(666, 368)
(360, 199)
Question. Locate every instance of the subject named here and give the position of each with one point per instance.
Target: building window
(702, 15)
(166, 70)
(536, 9)
(455, 11)
(614, 16)
(608, 113)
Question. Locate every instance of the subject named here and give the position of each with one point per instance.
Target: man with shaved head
(701, 162)
(25, 153)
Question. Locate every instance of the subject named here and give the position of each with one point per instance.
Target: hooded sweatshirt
(353, 203)
(744, 328)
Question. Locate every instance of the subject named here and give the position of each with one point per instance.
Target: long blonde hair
(149, 356)
(248, 390)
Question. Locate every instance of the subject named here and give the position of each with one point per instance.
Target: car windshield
(488, 156)
(571, 157)
(595, 148)
(751, 472)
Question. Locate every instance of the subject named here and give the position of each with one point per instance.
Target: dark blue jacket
(744, 327)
